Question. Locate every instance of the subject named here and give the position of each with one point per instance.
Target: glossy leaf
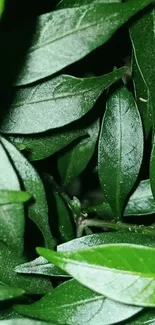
(78, 306)
(122, 272)
(69, 163)
(30, 284)
(7, 292)
(42, 146)
(38, 210)
(54, 103)
(142, 97)
(7, 196)
(64, 218)
(141, 202)
(65, 36)
(12, 220)
(120, 148)
(139, 32)
(41, 266)
(76, 3)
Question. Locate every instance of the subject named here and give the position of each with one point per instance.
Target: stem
(145, 230)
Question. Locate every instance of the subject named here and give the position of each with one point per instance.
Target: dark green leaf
(54, 103)
(12, 219)
(76, 3)
(120, 148)
(140, 203)
(42, 146)
(38, 210)
(7, 292)
(31, 284)
(64, 219)
(152, 169)
(65, 36)
(122, 272)
(142, 97)
(145, 318)
(41, 266)
(69, 163)
(79, 306)
(142, 32)
(7, 196)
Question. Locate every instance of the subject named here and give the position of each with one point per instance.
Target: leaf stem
(145, 230)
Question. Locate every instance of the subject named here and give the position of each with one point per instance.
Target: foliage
(77, 162)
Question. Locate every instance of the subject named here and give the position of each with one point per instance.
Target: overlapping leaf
(122, 272)
(77, 3)
(7, 196)
(120, 148)
(38, 210)
(78, 306)
(41, 266)
(12, 220)
(65, 36)
(69, 163)
(42, 146)
(54, 103)
(7, 292)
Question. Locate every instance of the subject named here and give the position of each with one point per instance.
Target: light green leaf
(7, 196)
(2, 3)
(122, 272)
(30, 284)
(64, 36)
(65, 223)
(69, 163)
(120, 148)
(12, 220)
(38, 210)
(141, 202)
(79, 306)
(152, 169)
(42, 145)
(23, 321)
(142, 32)
(41, 266)
(54, 103)
(7, 292)
(142, 97)
(76, 3)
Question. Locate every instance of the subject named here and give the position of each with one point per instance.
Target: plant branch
(145, 230)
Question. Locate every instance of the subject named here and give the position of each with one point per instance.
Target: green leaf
(2, 4)
(64, 218)
(142, 32)
(76, 3)
(54, 103)
(152, 169)
(23, 321)
(141, 202)
(12, 220)
(7, 292)
(142, 97)
(42, 145)
(122, 272)
(41, 266)
(30, 284)
(8, 313)
(64, 36)
(69, 163)
(144, 318)
(38, 210)
(7, 196)
(120, 148)
(78, 306)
